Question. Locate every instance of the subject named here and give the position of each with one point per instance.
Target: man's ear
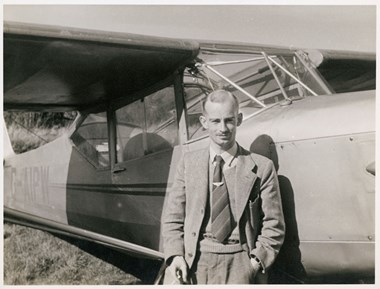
(203, 121)
(239, 119)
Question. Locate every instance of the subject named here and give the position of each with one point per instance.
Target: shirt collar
(227, 156)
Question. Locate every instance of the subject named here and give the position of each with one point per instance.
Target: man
(223, 221)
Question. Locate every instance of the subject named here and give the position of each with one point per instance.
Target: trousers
(217, 268)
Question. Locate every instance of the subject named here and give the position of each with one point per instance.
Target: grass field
(34, 257)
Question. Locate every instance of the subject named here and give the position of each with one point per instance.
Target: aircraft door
(146, 136)
(89, 182)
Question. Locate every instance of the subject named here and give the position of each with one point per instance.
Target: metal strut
(234, 85)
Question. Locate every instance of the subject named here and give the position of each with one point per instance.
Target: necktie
(220, 211)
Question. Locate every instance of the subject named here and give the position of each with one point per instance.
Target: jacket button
(202, 211)
(190, 255)
(194, 234)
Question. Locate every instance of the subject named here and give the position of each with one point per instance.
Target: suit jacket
(258, 204)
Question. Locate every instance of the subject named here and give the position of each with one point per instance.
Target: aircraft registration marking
(32, 182)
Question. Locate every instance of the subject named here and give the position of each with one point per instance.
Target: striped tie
(221, 220)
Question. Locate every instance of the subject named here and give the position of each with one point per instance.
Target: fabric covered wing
(52, 68)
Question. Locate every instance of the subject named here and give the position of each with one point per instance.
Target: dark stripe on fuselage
(135, 189)
(151, 185)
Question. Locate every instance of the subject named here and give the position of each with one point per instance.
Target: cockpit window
(91, 139)
(147, 126)
(194, 96)
(257, 79)
(259, 75)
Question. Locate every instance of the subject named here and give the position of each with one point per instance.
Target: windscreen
(258, 80)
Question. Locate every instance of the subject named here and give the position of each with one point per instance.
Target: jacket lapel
(200, 164)
(245, 179)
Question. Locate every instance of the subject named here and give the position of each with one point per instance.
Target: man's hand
(256, 266)
(178, 268)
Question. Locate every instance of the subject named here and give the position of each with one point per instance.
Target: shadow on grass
(144, 269)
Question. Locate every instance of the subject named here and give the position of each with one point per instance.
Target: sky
(342, 27)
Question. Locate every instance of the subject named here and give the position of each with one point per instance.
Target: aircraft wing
(53, 68)
(345, 71)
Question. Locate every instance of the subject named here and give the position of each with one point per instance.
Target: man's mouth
(224, 136)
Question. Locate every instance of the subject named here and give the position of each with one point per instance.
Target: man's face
(221, 120)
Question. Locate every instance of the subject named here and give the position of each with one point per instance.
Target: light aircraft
(139, 99)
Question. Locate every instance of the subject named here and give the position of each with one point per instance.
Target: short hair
(219, 96)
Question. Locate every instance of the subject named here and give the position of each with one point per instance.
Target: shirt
(229, 158)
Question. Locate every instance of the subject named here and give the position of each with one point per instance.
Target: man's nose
(223, 126)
